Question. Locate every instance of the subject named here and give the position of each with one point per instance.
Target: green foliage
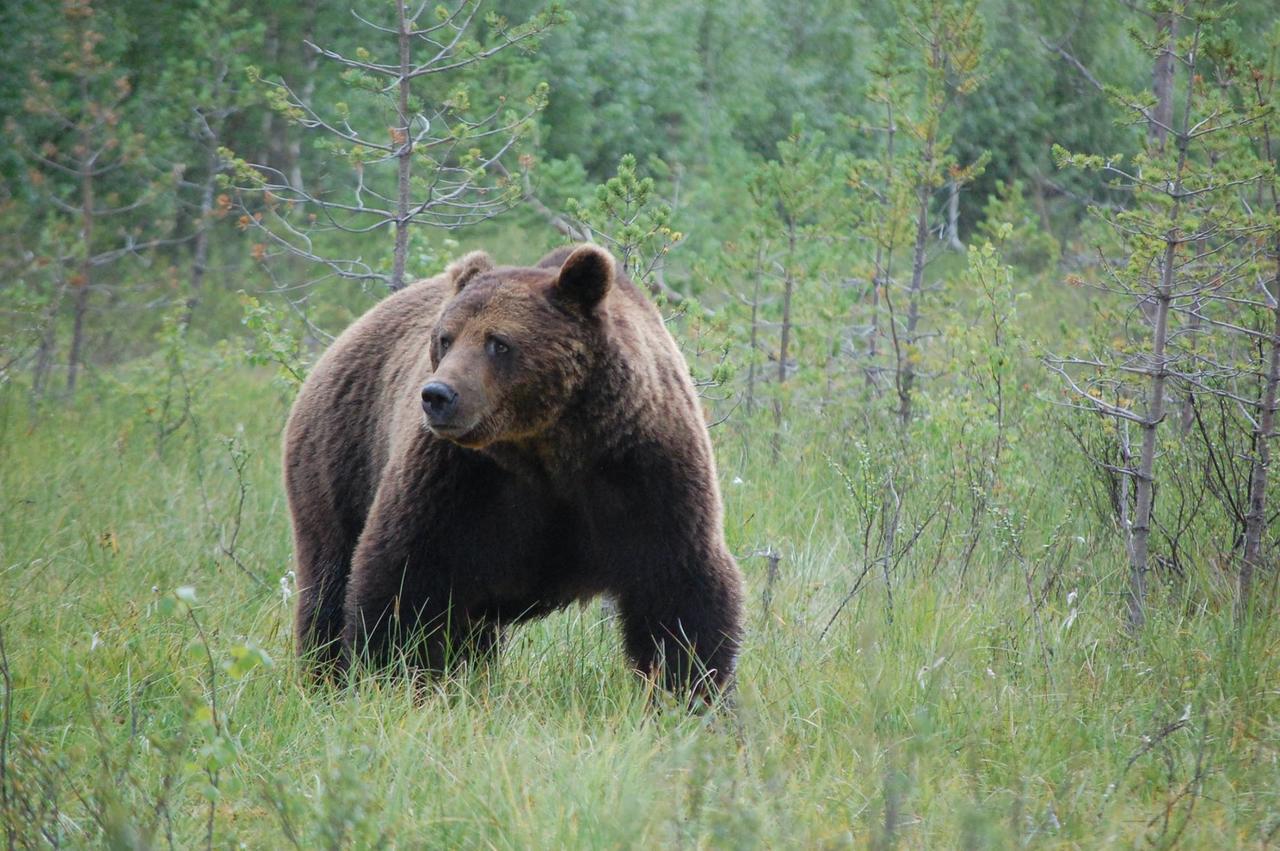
(986, 331)
(919, 75)
(1187, 249)
(683, 81)
(1009, 222)
(416, 139)
(78, 123)
(25, 311)
(274, 341)
(991, 359)
(1031, 97)
(626, 213)
(792, 241)
(163, 386)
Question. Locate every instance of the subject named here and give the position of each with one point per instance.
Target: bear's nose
(440, 401)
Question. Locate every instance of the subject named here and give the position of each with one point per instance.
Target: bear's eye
(444, 344)
(496, 347)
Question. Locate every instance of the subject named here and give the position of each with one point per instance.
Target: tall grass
(1005, 708)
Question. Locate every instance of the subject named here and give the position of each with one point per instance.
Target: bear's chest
(517, 549)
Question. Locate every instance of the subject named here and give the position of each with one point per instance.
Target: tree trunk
(1140, 533)
(1042, 205)
(784, 347)
(953, 217)
(1144, 488)
(1256, 519)
(43, 361)
(1255, 522)
(884, 258)
(405, 154)
(294, 147)
(755, 330)
(85, 277)
(200, 253)
(906, 363)
(270, 58)
(869, 372)
(1193, 327)
(1162, 82)
(48, 342)
(77, 336)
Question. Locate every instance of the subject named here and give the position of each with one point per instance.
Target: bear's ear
(462, 271)
(585, 276)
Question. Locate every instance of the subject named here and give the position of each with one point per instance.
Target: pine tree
(1185, 264)
(420, 143)
(87, 162)
(919, 72)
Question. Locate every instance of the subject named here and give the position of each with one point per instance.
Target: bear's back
(341, 412)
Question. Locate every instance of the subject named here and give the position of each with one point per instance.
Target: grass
(959, 715)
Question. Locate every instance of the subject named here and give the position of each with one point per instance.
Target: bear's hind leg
(323, 563)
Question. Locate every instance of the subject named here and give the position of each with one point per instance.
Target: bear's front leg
(387, 624)
(684, 627)
(655, 526)
(397, 605)
(400, 606)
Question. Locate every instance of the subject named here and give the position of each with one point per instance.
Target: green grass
(955, 718)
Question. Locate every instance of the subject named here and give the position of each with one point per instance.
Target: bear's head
(513, 346)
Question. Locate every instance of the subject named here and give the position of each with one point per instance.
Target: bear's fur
(492, 444)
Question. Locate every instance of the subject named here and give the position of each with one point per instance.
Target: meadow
(152, 697)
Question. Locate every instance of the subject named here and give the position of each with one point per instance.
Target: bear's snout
(440, 402)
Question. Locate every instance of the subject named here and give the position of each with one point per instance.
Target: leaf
(244, 658)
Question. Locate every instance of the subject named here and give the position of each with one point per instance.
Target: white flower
(1071, 615)
(920, 674)
(286, 586)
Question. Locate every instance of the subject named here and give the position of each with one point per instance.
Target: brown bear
(492, 444)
